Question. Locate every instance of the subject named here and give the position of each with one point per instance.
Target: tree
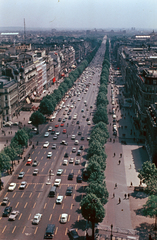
(99, 159)
(16, 146)
(57, 95)
(99, 190)
(95, 148)
(93, 166)
(92, 210)
(150, 208)
(98, 135)
(11, 152)
(37, 118)
(4, 161)
(21, 138)
(147, 172)
(46, 106)
(97, 177)
(102, 99)
(101, 115)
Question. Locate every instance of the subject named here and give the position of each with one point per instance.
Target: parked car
(21, 175)
(35, 163)
(77, 161)
(73, 234)
(13, 215)
(60, 171)
(5, 201)
(49, 155)
(36, 171)
(29, 161)
(66, 155)
(57, 182)
(12, 186)
(54, 146)
(69, 191)
(46, 144)
(59, 199)
(7, 211)
(71, 160)
(46, 134)
(70, 176)
(79, 178)
(64, 218)
(65, 162)
(23, 185)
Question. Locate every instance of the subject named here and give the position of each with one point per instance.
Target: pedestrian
(119, 162)
(121, 155)
(125, 195)
(130, 166)
(119, 200)
(113, 195)
(114, 154)
(128, 195)
(115, 185)
(131, 184)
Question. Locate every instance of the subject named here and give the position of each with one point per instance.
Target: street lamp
(111, 231)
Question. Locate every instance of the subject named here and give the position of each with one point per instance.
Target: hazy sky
(79, 13)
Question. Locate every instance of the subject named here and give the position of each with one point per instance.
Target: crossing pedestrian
(114, 154)
(115, 185)
(125, 195)
(128, 195)
(119, 162)
(113, 195)
(119, 200)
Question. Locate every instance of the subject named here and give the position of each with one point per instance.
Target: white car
(12, 186)
(77, 161)
(89, 123)
(74, 150)
(36, 171)
(37, 218)
(76, 142)
(57, 133)
(46, 134)
(74, 117)
(71, 160)
(50, 128)
(13, 215)
(46, 144)
(57, 182)
(73, 137)
(59, 199)
(49, 155)
(64, 218)
(60, 171)
(54, 146)
(23, 185)
(65, 162)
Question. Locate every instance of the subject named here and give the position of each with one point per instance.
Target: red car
(57, 125)
(62, 125)
(64, 130)
(29, 161)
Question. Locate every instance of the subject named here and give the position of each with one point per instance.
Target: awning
(54, 80)
(63, 74)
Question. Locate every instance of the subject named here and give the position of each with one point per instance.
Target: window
(6, 97)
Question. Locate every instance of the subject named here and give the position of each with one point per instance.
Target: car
(112, 102)
(70, 176)
(63, 142)
(87, 119)
(77, 161)
(54, 146)
(29, 122)
(23, 185)
(36, 171)
(82, 110)
(115, 132)
(49, 128)
(21, 174)
(57, 182)
(64, 218)
(46, 134)
(7, 211)
(74, 117)
(69, 191)
(55, 137)
(89, 123)
(91, 106)
(62, 125)
(57, 125)
(59, 199)
(63, 120)
(5, 201)
(71, 160)
(76, 142)
(81, 147)
(65, 162)
(88, 138)
(59, 172)
(64, 130)
(74, 150)
(35, 163)
(59, 119)
(77, 122)
(73, 137)
(29, 161)
(46, 144)
(79, 133)
(53, 131)
(79, 153)
(13, 215)
(83, 116)
(66, 155)
(69, 117)
(37, 218)
(73, 234)
(57, 133)
(79, 178)
(34, 129)
(49, 155)
(12, 186)
(79, 99)
(82, 138)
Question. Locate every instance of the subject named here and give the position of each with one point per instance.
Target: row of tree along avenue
(12, 152)
(148, 178)
(92, 205)
(49, 102)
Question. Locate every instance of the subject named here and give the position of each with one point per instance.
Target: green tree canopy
(147, 172)
(150, 208)
(46, 106)
(102, 99)
(99, 190)
(5, 161)
(57, 95)
(95, 148)
(97, 177)
(21, 138)
(37, 118)
(93, 166)
(99, 159)
(100, 115)
(11, 152)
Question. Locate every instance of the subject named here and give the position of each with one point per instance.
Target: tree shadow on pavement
(137, 154)
(145, 229)
(81, 189)
(81, 224)
(139, 194)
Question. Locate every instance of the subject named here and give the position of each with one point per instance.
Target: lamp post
(111, 231)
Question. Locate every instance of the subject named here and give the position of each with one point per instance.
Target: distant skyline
(79, 14)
